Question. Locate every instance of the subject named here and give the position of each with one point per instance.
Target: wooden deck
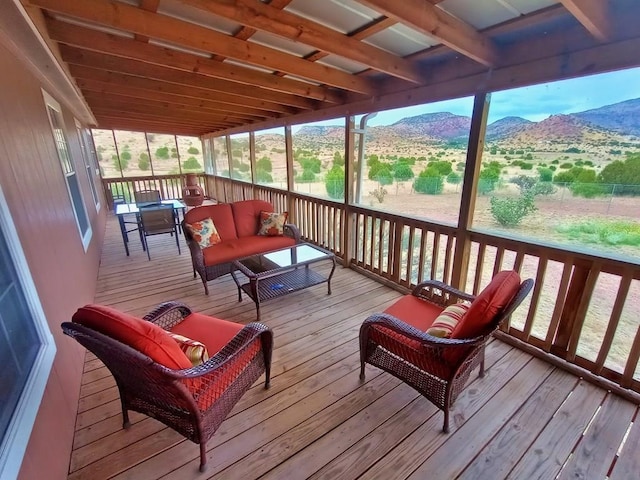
(526, 419)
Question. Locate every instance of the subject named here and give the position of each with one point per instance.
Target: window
(207, 153)
(318, 158)
(68, 169)
(27, 349)
(220, 156)
(90, 159)
(240, 161)
(561, 164)
(189, 151)
(271, 158)
(413, 159)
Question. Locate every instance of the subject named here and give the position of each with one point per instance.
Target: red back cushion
(214, 332)
(246, 215)
(221, 215)
(144, 336)
(489, 302)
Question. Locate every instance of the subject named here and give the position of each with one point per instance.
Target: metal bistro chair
(156, 219)
(144, 197)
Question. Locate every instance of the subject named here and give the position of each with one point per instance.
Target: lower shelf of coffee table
(285, 283)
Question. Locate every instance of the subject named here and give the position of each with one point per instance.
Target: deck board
(524, 419)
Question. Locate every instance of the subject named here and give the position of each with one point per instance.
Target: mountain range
(620, 119)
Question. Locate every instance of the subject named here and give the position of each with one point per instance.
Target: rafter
(129, 18)
(89, 39)
(119, 79)
(97, 88)
(132, 67)
(440, 25)
(594, 15)
(263, 17)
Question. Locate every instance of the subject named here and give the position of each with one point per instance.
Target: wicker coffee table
(280, 272)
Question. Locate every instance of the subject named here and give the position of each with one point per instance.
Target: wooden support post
(252, 162)
(348, 223)
(469, 189)
(288, 145)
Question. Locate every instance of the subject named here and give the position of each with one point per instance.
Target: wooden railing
(169, 186)
(584, 310)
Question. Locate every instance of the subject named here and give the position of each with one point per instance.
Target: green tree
(381, 173)
(338, 159)
(402, 172)
(454, 178)
(545, 174)
(429, 181)
(193, 151)
(625, 175)
(334, 182)
(488, 179)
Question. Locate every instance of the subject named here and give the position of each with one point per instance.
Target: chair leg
(125, 418)
(445, 427)
(481, 372)
(146, 247)
(203, 456)
(178, 243)
(362, 376)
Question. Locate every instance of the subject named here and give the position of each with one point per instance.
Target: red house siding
(63, 273)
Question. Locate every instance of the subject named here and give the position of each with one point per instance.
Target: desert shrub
(524, 182)
(555, 162)
(429, 181)
(402, 172)
(174, 153)
(526, 166)
(334, 182)
(545, 174)
(572, 150)
(307, 176)
(443, 167)
(126, 156)
(191, 163)
(509, 212)
(143, 162)
(264, 164)
(163, 153)
(338, 159)
(488, 179)
(588, 190)
(553, 168)
(543, 188)
(312, 164)
(566, 165)
(193, 151)
(460, 166)
(379, 193)
(379, 169)
(262, 176)
(625, 174)
(454, 178)
(576, 174)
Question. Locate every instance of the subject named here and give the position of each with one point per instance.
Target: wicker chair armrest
(168, 314)
(395, 324)
(291, 230)
(440, 293)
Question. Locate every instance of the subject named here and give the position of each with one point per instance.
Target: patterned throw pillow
(272, 224)
(195, 351)
(444, 323)
(204, 232)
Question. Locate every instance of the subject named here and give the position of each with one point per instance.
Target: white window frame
(85, 237)
(89, 158)
(14, 443)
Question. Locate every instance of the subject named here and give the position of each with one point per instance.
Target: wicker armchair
(192, 401)
(438, 368)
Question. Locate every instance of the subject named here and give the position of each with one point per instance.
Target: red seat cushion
(246, 214)
(213, 332)
(243, 247)
(221, 215)
(489, 302)
(417, 313)
(144, 336)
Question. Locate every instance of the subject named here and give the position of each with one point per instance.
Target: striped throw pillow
(444, 323)
(195, 351)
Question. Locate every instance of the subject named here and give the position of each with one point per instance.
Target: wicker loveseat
(237, 224)
(157, 376)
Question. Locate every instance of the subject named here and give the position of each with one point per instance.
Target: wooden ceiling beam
(76, 56)
(95, 98)
(150, 6)
(86, 38)
(440, 25)
(594, 15)
(92, 87)
(263, 17)
(118, 123)
(113, 112)
(121, 79)
(129, 18)
(170, 111)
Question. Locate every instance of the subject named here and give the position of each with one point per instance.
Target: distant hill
(593, 125)
(623, 117)
(505, 127)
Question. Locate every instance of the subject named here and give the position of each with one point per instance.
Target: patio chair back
(157, 219)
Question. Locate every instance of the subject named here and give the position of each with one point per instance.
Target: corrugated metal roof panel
(479, 14)
(343, 64)
(342, 15)
(191, 14)
(528, 6)
(282, 44)
(401, 40)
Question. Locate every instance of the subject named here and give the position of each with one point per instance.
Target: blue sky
(534, 103)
